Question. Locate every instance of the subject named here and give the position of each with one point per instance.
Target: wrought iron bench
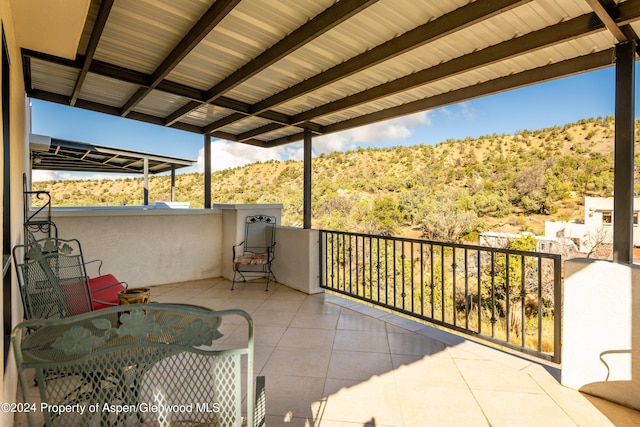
(144, 365)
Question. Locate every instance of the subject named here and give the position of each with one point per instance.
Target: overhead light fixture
(37, 159)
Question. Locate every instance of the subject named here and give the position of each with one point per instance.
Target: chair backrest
(260, 232)
(161, 362)
(52, 278)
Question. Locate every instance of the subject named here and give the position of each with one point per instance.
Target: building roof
(65, 155)
(262, 72)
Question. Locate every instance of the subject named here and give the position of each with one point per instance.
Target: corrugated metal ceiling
(263, 72)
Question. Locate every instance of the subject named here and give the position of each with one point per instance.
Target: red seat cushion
(104, 289)
(76, 298)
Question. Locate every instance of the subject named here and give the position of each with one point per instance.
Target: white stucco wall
(601, 330)
(148, 247)
(296, 263)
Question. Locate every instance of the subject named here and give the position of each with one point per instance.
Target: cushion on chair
(252, 259)
(104, 289)
(75, 298)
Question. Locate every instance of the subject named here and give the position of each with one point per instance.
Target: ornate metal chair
(54, 282)
(253, 256)
(143, 365)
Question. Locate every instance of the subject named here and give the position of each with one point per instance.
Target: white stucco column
(601, 330)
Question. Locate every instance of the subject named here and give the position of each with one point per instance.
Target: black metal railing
(509, 297)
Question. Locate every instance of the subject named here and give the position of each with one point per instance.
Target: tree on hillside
(445, 219)
(380, 216)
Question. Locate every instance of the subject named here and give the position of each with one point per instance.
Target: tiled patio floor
(330, 362)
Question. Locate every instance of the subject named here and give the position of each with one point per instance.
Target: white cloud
(390, 130)
(466, 110)
(44, 175)
(226, 154)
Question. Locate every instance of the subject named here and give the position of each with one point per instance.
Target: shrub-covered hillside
(449, 191)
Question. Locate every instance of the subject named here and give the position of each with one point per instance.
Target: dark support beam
(173, 183)
(607, 20)
(96, 33)
(564, 31)
(207, 22)
(207, 171)
(146, 182)
(433, 30)
(624, 154)
(566, 68)
(314, 28)
(307, 179)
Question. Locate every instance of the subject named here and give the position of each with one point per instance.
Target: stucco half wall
(148, 247)
(601, 330)
(297, 263)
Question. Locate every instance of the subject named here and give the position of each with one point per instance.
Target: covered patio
(270, 73)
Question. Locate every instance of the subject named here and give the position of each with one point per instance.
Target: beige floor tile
(308, 338)
(615, 414)
(373, 399)
(272, 304)
(334, 385)
(299, 362)
(426, 372)
(263, 316)
(288, 421)
(491, 376)
(403, 322)
(507, 409)
(211, 302)
(358, 365)
(247, 304)
(287, 294)
(376, 342)
(359, 322)
(297, 397)
(318, 305)
(269, 334)
(369, 423)
(315, 320)
(412, 344)
(442, 407)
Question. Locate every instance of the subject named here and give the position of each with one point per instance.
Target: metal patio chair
(143, 365)
(54, 283)
(253, 256)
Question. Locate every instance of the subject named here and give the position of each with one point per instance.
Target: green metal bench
(142, 365)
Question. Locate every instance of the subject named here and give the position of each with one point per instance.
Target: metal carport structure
(62, 155)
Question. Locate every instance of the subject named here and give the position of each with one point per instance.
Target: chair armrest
(99, 262)
(234, 248)
(104, 290)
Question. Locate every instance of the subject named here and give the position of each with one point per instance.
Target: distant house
(595, 232)
(543, 243)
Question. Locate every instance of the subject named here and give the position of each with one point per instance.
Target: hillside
(449, 191)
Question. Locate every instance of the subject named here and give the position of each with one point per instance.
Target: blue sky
(553, 103)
